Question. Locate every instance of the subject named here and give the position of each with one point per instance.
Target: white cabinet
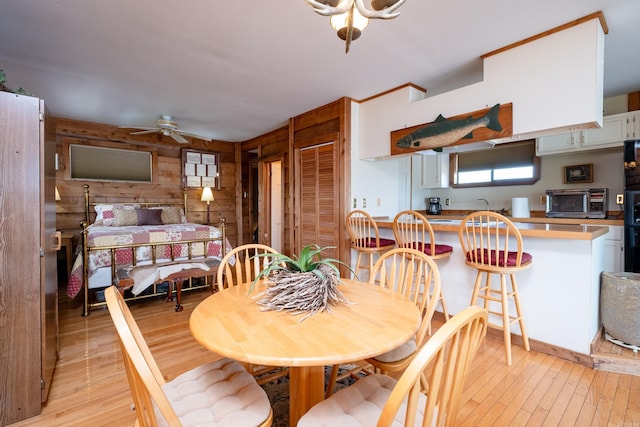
(555, 144)
(615, 129)
(435, 171)
(614, 249)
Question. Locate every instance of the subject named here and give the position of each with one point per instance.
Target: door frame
(264, 198)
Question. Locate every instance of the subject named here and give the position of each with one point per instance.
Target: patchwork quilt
(100, 236)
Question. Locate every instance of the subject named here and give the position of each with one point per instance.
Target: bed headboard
(88, 204)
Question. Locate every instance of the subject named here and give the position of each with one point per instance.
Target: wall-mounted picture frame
(577, 174)
(200, 169)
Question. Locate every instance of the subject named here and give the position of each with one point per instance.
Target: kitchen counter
(547, 229)
(560, 293)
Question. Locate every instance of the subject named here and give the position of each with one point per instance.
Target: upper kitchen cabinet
(435, 171)
(615, 129)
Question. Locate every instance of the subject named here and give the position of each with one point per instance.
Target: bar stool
(365, 238)
(412, 230)
(485, 238)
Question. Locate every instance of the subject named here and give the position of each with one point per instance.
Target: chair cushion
(426, 248)
(399, 353)
(360, 404)
(363, 243)
(221, 393)
(499, 259)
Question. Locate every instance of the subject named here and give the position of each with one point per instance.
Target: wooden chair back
(363, 230)
(245, 265)
(412, 230)
(444, 360)
(491, 242)
(411, 227)
(145, 378)
(413, 274)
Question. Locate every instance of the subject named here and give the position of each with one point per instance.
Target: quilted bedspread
(107, 236)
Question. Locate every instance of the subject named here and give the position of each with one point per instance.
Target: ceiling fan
(167, 127)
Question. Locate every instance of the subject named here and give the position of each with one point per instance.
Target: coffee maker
(435, 208)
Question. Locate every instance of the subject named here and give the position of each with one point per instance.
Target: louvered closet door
(318, 197)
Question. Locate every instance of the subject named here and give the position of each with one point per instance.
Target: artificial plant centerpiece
(306, 283)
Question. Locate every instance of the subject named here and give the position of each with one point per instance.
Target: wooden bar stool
(365, 238)
(485, 238)
(412, 230)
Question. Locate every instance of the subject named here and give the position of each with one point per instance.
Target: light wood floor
(90, 387)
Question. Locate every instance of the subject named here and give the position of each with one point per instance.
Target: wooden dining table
(232, 324)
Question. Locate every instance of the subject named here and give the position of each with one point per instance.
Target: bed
(126, 235)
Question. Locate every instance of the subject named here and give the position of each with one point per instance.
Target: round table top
(232, 324)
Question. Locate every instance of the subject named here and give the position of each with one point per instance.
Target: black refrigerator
(632, 206)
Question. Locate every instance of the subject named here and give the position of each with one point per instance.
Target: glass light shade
(57, 195)
(207, 195)
(340, 21)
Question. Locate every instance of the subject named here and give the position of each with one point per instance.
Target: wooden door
(28, 283)
(318, 219)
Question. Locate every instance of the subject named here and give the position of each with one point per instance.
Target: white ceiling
(234, 70)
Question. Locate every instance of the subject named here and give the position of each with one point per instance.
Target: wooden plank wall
(274, 144)
(322, 124)
(331, 122)
(167, 186)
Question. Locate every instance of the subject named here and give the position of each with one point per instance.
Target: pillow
(105, 215)
(123, 217)
(149, 216)
(171, 215)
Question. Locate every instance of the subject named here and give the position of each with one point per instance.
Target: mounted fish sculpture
(443, 132)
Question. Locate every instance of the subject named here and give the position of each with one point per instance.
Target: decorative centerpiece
(304, 284)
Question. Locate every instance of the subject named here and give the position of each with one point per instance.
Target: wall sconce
(207, 196)
(57, 195)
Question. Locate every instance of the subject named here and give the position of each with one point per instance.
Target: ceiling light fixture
(350, 17)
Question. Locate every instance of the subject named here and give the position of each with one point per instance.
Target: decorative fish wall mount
(491, 123)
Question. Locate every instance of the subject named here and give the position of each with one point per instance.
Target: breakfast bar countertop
(568, 260)
(553, 228)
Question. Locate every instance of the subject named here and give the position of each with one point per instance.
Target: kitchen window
(507, 164)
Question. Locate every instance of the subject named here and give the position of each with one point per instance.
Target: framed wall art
(578, 174)
(200, 169)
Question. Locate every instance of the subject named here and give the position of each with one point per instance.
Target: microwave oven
(577, 203)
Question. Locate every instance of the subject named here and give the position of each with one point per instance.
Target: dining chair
(444, 362)
(413, 274)
(411, 229)
(217, 393)
(365, 239)
(242, 264)
(492, 244)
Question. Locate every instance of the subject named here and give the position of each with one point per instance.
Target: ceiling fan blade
(137, 127)
(144, 132)
(178, 137)
(193, 135)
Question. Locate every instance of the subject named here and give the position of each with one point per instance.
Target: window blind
(510, 155)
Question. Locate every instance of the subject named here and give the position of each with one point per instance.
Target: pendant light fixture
(350, 17)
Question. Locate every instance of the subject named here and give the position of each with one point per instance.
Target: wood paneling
(329, 123)
(633, 101)
(166, 187)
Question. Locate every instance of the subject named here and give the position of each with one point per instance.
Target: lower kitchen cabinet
(614, 249)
